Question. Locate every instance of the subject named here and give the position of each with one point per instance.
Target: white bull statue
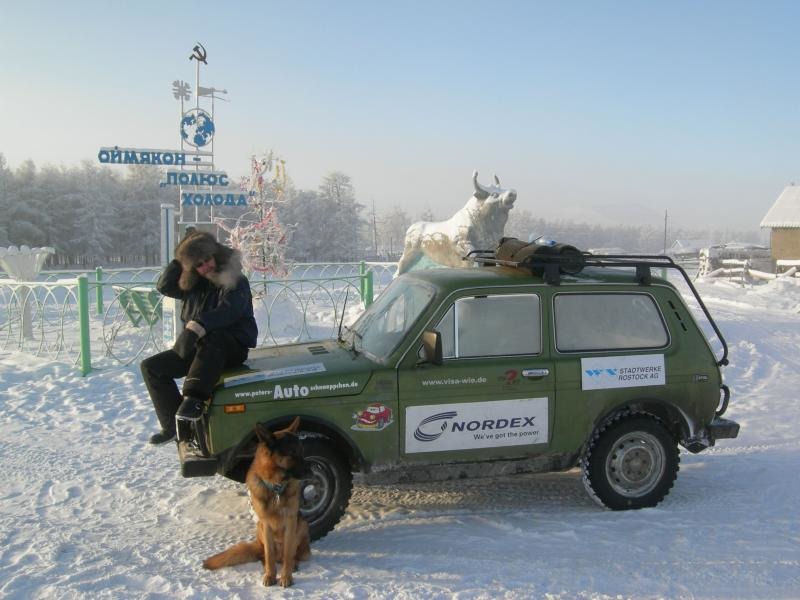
(478, 225)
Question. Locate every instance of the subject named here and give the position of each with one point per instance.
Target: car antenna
(341, 320)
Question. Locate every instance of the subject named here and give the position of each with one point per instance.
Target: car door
(493, 395)
(611, 347)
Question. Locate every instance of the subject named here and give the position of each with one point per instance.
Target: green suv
(502, 369)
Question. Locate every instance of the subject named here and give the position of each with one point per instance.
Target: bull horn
(480, 192)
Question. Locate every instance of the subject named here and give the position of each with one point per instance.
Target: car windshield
(381, 328)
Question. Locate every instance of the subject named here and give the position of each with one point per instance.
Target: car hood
(308, 370)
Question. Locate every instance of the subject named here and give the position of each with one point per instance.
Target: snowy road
(88, 510)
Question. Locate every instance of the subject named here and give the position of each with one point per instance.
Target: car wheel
(325, 491)
(630, 463)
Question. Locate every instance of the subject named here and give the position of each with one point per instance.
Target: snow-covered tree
(5, 191)
(308, 213)
(344, 232)
(139, 211)
(96, 219)
(426, 215)
(258, 234)
(27, 208)
(392, 228)
(63, 187)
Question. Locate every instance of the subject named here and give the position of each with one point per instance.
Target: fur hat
(198, 246)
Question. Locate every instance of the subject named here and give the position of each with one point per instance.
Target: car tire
(631, 462)
(325, 491)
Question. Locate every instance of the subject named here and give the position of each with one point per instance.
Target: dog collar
(276, 489)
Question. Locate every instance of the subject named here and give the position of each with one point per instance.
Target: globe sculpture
(23, 264)
(197, 128)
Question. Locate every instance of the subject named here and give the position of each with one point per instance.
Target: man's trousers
(215, 351)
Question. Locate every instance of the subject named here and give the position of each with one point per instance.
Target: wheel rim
(316, 490)
(636, 464)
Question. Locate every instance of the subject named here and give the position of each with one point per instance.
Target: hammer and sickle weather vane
(199, 53)
(182, 90)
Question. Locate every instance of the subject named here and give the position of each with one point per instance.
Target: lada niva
(456, 373)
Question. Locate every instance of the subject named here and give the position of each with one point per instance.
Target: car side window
(610, 321)
(497, 325)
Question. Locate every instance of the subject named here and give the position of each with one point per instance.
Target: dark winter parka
(223, 300)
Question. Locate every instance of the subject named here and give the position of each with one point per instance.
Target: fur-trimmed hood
(198, 246)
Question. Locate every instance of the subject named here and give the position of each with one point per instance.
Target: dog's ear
(292, 428)
(265, 435)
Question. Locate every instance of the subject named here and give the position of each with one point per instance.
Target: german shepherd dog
(273, 482)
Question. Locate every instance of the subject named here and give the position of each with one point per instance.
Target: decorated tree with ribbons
(258, 233)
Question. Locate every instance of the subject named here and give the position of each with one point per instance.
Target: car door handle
(535, 372)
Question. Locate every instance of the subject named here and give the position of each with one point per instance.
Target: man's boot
(162, 437)
(191, 409)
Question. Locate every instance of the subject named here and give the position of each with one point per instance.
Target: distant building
(687, 248)
(783, 221)
(735, 254)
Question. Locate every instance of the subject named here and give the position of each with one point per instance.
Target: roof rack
(551, 266)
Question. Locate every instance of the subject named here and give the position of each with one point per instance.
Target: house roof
(688, 246)
(785, 213)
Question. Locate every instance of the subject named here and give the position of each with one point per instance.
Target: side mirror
(432, 347)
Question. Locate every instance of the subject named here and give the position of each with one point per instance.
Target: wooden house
(783, 221)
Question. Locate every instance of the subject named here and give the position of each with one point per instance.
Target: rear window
(608, 322)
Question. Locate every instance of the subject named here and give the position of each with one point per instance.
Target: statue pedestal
(24, 264)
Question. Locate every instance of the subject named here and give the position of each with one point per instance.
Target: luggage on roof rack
(549, 260)
(535, 255)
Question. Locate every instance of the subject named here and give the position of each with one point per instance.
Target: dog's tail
(235, 555)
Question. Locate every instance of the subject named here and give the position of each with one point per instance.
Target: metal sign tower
(198, 181)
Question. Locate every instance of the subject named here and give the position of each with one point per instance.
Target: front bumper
(193, 463)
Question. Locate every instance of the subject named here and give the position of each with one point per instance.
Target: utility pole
(665, 231)
(374, 230)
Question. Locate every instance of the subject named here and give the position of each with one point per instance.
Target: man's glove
(186, 344)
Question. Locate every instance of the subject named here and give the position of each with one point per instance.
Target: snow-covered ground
(89, 510)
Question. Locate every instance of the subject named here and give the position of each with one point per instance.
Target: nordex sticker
(622, 371)
(440, 427)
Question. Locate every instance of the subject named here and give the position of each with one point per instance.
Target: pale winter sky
(606, 112)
